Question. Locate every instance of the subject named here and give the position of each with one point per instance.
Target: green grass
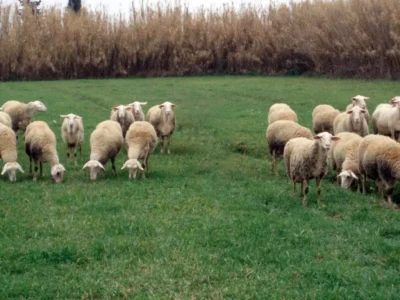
(210, 220)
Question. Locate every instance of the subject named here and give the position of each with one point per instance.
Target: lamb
(359, 101)
(279, 133)
(5, 119)
(8, 152)
(323, 116)
(123, 115)
(137, 110)
(386, 119)
(72, 134)
(105, 143)
(40, 146)
(281, 111)
(307, 159)
(162, 117)
(344, 158)
(352, 120)
(21, 113)
(141, 140)
(379, 159)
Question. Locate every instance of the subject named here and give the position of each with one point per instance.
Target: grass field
(210, 220)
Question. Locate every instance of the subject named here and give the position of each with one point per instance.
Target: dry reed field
(350, 38)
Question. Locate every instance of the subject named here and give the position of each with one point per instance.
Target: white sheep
(105, 143)
(322, 117)
(386, 119)
(8, 152)
(379, 159)
(281, 111)
(344, 158)
(72, 134)
(359, 100)
(21, 113)
(40, 146)
(123, 115)
(137, 110)
(352, 120)
(279, 133)
(5, 119)
(162, 117)
(141, 140)
(307, 159)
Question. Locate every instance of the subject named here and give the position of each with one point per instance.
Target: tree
(75, 5)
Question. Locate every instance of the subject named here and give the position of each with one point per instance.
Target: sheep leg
(75, 155)
(273, 158)
(274, 164)
(294, 188)
(318, 182)
(306, 188)
(35, 170)
(68, 154)
(337, 178)
(162, 144)
(364, 183)
(146, 162)
(30, 165)
(41, 168)
(80, 150)
(169, 141)
(113, 166)
(301, 189)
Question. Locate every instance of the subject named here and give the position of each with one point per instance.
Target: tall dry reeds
(338, 38)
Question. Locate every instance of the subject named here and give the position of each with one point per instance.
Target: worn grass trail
(210, 220)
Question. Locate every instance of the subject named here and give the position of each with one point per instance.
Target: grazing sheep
(386, 119)
(40, 146)
(281, 111)
(137, 110)
(21, 113)
(105, 143)
(162, 117)
(379, 159)
(5, 119)
(72, 134)
(8, 152)
(344, 158)
(141, 139)
(359, 101)
(323, 116)
(279, 133)
(352, 120)
(123, 115)
(307, 159)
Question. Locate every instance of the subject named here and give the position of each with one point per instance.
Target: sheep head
(357, 115)
(359, 101)
(11, 168)
(72, 121)
(121, 111)
(167, 107)
(133, 165)
(57, 172)
(325, 139)
(346, 178)
(137, 107)
(37, 106)
(95, 167)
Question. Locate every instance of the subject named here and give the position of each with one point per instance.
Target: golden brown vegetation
(339, 38)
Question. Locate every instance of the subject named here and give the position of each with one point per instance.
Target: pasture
(209, 220)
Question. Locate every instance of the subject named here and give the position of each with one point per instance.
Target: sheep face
(95, 167)
(357, 116)
(57, 172)
(359, 101)
(11, 169)
(325, 139)
(121, 111)
(37, 106)
(72, 122)
(346, 178)
(137, 107)
(133, 165)
(167, 107)
(395, 101)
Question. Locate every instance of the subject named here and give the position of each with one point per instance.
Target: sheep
(281, 111)
(279, 133)
(137, 110)
(123, 115)
(344, 158)
(379, 159)
(8, 152)
(162, 117)
(141, 140)
(386, 119)
(40, 146)
(21, 113)
(5, 119)
(307, 159)
(359, 101)
(105, 143)
(72, 134)
(352, 120)
(322, 117)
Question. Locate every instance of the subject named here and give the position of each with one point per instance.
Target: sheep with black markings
(105, 143)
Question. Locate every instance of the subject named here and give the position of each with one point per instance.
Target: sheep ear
(78, 117)
(5, 169)
(124, 166)
(363, 111)
(143, 103)
(161, 106)
(353, 175)
(335, 138)
(349, 112)
(86, 166)
(140, 167)
(115, 108)
(20, 168)
(316, 137)
(174, 106)
(63, 116)
(366, 98)
(128, 108)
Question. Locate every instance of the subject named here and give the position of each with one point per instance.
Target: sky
(114, 6)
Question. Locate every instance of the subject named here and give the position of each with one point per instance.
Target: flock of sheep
(343, 140)
(127, 125)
